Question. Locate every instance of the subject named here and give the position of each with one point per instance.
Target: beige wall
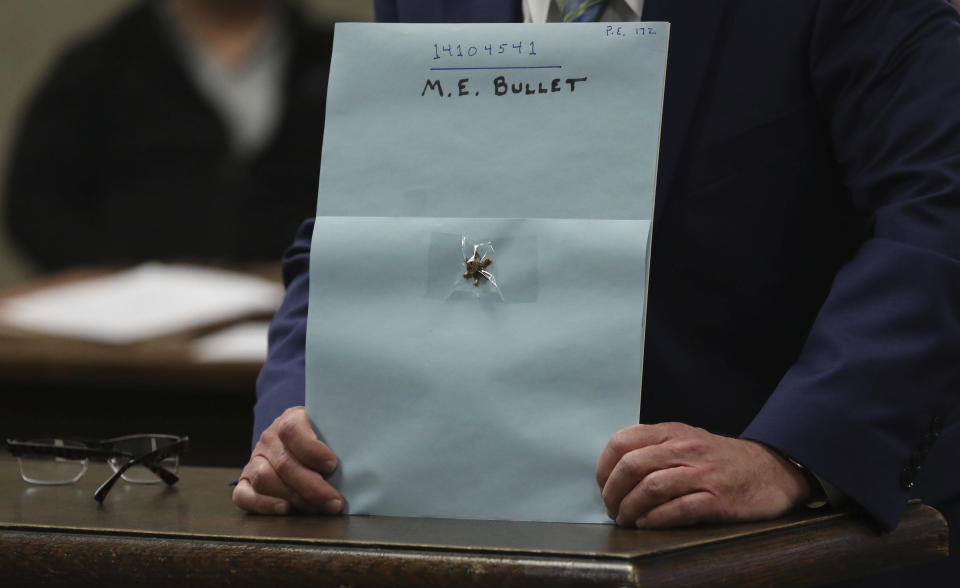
(32, 32)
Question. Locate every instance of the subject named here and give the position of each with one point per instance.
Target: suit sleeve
(280, 384)
(385, 10)
(877, 377)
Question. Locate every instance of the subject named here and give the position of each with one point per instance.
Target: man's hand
(671, 475)
(286, 470)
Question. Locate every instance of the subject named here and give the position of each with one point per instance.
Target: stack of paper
(148, 301)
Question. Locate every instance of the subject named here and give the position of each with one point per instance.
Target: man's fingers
(302, 488)
(297, 436)
(657, 488)
(275, 470)
(656, 447)
(674, 474)
(268, 489)
(282, 444)
(317, 495)
(265, 481)
(632, 468)
(689, 509)
(626, 440)
(249, 500)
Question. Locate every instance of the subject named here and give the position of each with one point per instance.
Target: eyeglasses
(64, 461)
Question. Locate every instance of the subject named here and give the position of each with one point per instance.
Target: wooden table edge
(843, 547)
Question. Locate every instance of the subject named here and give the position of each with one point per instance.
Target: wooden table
(63, 387)
(191, 535)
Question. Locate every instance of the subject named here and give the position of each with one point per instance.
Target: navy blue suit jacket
(805, 287)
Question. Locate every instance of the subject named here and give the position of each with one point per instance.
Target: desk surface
(192, 534)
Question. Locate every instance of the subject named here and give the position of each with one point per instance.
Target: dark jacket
(120, 158)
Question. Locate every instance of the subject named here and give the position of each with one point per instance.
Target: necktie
(580, 10)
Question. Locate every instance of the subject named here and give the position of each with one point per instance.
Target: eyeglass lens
(37, 468)
(138, 445)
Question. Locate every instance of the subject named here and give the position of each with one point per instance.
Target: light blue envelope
(484, 391)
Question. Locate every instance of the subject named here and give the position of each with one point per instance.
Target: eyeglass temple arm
(149, 460)
(18, 448)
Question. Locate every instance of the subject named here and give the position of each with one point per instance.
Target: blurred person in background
(183, 130)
